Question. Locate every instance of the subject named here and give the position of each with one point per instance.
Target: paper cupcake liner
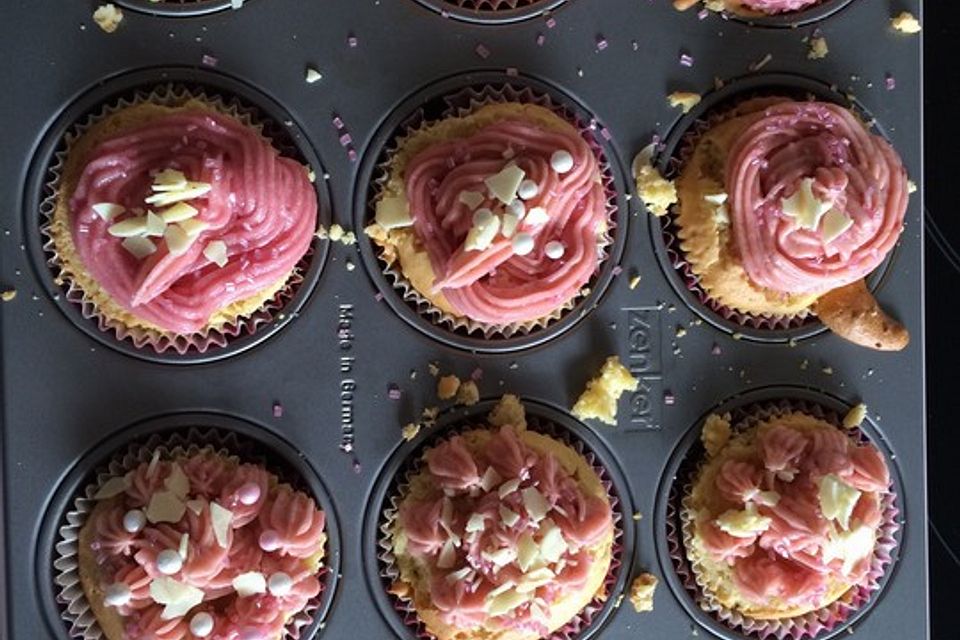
(676, 255)
(462, 103)
(75, 609)
(680, 534)
(390, 573)
(161, 341)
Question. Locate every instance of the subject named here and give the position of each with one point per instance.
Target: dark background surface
(942, 31)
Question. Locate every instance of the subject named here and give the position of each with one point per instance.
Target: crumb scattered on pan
(447, 387)
(686, 100)
(599, 400)
(108, 17)
(855, 416)
(637, 516)
(911, 186)
(818, 48)
(336, 233)
(311, 75)
(410, 431)
(641, 592)
(634, 281)
(656, 192)
(906, 22)
(8, 294)
(468, 394)
(433, 368)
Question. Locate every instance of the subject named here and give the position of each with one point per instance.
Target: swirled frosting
(816, 200)
(245, 548)
(798, 517)
(260, 205)
(508, 532)
(777, 6)
(499, 283)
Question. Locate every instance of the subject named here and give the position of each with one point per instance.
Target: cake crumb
(911, 186)
(686, 100)
(906, 22)
(855, 416)
(108, 17)
(656, 192)
(634, 281)
(716, 433)
(599, 400)
(468, 394)
(641, 592)
(818, 48)
(8, 295)
(433, 368)
(336, 233)
(447, 387)
(508, 411)
(637, 516)
(410, 431)
(311, 75)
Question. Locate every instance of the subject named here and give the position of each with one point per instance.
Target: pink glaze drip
(131, 558)
(777, 6)
(858, 171)
(582, 519)
(787, 560)
(261, 205)
(495, 285)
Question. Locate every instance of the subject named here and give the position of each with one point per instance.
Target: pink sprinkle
(686, 60)
(702, 14)
(477, 374)
(269, 540)
(551, 22)
(669, 398)
(378, 297)
(352, 41)
(337, 122)
(541, 39)
(393, 392)
(602, 43)
(605, 134)
(716, 349)
(208, 60)
(356, 466)
(890, 82)
(345, 140)
(617, 270)
(352, 154)
(512, 72)
(482, 51)
(277, 410)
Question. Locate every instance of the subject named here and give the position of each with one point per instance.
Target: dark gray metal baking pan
(330, 367)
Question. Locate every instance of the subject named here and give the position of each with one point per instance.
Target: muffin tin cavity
(158, 85)
(669, 158)
(181, 8)
(683, 464)
(70, 505)
(492, 11)
(407, 460)
(445, 98)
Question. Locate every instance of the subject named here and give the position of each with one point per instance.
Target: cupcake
(784, 207)
(749, 8)
(788, 516)
(495, 218)
(175, 217)
(199, 545)
(502, 532)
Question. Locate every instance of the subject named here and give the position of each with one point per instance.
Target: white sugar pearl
(117, 595)
(554, 250)
(279, 584)
(528, 190)
(482, 216)
(134, 521)
(517, 208)
(561, 161)
(169, 562)
(537, 216)
(522, 244)
(201, 625)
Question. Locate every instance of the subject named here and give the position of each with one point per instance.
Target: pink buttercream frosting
(430, 524)
(131, 559)
(261, 206)
(496, 285)
(790, 559)
(857, 172)
(777, 6)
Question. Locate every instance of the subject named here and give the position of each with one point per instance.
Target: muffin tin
(319, 383)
